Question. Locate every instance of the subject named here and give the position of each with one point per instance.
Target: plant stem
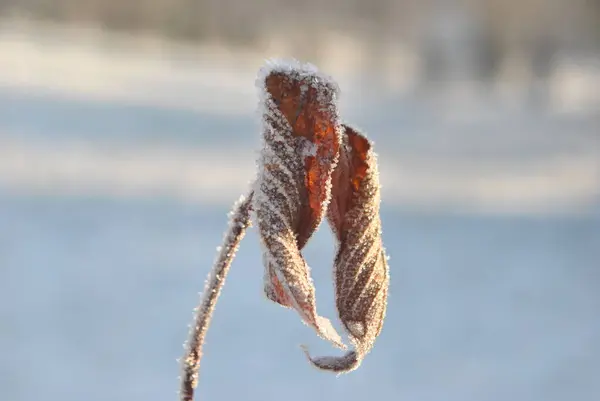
(239, 222)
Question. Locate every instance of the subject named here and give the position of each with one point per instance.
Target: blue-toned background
(121, 154)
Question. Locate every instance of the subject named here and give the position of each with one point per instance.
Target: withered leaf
(301, 133)
(361, 272)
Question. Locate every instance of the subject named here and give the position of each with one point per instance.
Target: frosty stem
(240, 221)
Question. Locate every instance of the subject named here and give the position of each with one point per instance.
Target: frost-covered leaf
(301, 133)
(361, 272)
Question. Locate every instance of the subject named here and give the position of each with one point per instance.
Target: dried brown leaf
(361, 273)
(301, 136)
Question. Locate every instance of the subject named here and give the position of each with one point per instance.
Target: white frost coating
(372, 224)
(339, 132)
(301, 70)
(293, 66)
(357, 329)
(308, 148)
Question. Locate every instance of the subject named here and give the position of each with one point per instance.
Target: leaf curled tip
(278, 289)
(328, 332)
(346, 363)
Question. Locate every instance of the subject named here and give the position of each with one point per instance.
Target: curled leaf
(361, 272)
(301, 133)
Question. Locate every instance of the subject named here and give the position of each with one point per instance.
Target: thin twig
(239, 222)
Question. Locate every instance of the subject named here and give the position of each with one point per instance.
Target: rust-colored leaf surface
(307, 104)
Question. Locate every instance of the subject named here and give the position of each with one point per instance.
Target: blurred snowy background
(127, 130)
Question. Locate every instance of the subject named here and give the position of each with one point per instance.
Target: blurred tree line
(448, 34)
(244, 22)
